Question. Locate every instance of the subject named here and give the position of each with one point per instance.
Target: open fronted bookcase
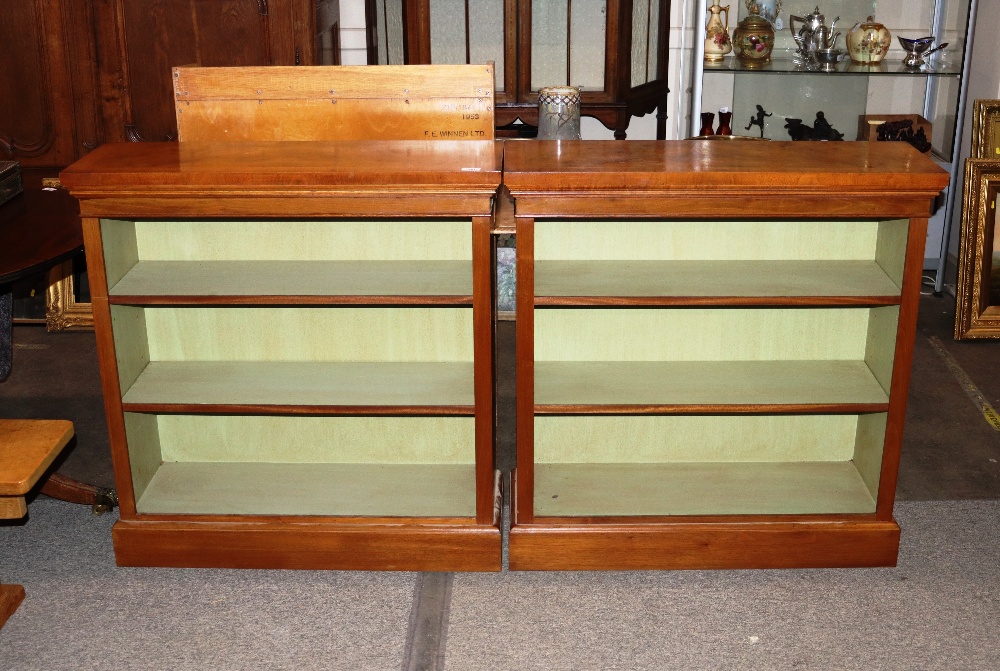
(296, 351)
(713, 345)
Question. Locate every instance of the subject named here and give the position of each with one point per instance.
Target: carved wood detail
(79, 73)
(162, 34)
(24, 29)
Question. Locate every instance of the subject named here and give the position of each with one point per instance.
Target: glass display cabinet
(845, 92)
(619, 61)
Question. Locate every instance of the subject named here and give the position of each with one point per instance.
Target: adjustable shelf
(299, 282)
(598, 282)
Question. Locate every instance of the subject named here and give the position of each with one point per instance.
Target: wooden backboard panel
(373, 102)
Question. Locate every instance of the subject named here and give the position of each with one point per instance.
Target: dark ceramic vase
(707, 123)
(725, 119)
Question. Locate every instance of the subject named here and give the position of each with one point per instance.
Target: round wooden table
(38, 229)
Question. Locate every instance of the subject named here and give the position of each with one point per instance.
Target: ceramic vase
(868, 42)
(766, 9)
(717, 42)
(707, 121)
(725, 121)
(754, 41)
(559, 113)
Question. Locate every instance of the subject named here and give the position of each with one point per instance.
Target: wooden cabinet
(83, 72)
(48, 110)
(144, 40)
(615, 50)
(713, 346)
(297, 356)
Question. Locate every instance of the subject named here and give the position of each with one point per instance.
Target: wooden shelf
(263, 282)
(356, 387)
(706, 386)
(714, 283)
(799, 488)
(253, 488)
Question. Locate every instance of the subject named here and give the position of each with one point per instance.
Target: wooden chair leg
(11, 597)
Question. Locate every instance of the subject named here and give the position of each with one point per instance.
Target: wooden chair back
(369, 102)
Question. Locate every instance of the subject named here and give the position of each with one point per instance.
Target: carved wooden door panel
(146, 38)
(37, 124)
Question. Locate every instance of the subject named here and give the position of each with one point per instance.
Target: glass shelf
(893, 65)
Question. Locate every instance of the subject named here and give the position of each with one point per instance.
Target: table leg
(67, 489)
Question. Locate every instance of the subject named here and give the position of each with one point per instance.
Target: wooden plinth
(753, 545)
(305, 545)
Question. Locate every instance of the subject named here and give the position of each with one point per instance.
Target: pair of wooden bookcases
(714, 342)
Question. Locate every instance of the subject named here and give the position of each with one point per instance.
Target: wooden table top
(37, 229)
(27, 448)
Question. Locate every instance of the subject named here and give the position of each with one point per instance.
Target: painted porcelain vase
(717, 42)
(868, 42)
(753, 40)
(767, 9)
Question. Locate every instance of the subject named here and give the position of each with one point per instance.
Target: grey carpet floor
(939, 609)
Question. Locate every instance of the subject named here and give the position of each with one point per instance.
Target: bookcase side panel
(131, 343)
(890, 251)
(880, 350)
(868, 448)
(121, 250)
(145, 455)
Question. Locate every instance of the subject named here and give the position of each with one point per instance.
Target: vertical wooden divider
(108, 362)
(482, 317)
(524, 489)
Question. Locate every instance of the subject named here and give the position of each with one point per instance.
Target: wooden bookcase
(295, 341)
(713, 351)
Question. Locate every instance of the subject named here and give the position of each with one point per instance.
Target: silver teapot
(812, 34)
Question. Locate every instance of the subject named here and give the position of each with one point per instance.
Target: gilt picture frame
(977, 311)
(62, 311)
(986, 130)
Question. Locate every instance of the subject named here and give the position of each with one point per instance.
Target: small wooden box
(10, 180)
(868, 124)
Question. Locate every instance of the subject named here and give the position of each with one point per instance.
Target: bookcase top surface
(762, 166)
(359, 165)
